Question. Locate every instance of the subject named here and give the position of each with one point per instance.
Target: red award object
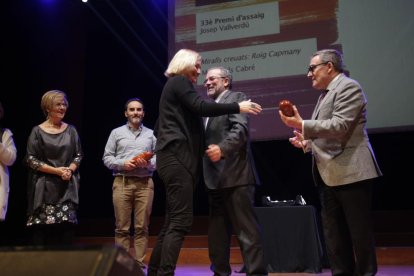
(147, 155)
(286, 107)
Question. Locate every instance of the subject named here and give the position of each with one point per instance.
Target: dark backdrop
(105, 53)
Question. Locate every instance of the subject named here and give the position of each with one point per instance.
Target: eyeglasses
(212, 78)
(313, 67)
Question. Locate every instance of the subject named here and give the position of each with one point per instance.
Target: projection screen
(267, 46)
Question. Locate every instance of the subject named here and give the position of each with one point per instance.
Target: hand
(66, 173)
(250, 107)
(295, 121)
(213, 152)
(130, 164)
(298, 140)
(140, 162)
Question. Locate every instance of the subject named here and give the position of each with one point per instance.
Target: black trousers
(347, 225)
(53, 234)
(179, 186)
(232, 210)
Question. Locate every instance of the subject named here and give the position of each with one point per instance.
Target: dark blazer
(340, 144)
(231, 134)
(180, 126)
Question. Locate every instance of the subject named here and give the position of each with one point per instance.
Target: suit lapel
(317, 107)
(223, 99)
(324, 97)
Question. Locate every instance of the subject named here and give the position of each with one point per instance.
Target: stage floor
(383, 270)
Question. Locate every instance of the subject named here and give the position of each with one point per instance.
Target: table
(291, 239)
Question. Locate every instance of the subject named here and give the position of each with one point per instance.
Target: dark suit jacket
(231, 134)
(180, 127)
(340, 144)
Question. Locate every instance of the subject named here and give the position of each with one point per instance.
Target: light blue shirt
(123, 144)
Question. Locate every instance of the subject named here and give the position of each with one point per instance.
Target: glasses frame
(311, 68)
(212, 78)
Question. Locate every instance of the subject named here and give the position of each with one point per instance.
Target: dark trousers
(347, 225)
(179, 186)
(232, 210)
(59, 234)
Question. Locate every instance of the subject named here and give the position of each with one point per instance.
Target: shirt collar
(132, 129)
